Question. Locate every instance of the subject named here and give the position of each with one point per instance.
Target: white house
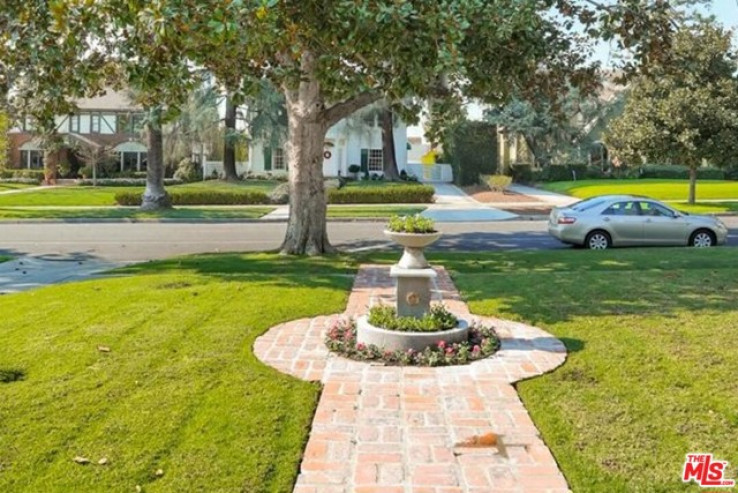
(355, 141)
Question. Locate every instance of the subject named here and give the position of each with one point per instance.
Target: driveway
(453, 205)
(30, 272)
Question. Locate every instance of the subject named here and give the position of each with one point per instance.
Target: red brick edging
(384, 429)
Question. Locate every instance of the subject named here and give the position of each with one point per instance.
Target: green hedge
(471, 150)
(27, 174)
(676, 172)
(399, 194)
(197, 197)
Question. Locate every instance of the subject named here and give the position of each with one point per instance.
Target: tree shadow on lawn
(333, 271)
(550, 287)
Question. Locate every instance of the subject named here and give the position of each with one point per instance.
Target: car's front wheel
(598, 240)
(702, 238)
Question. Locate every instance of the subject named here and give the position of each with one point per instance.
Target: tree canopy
(328, 57)
(685, 110)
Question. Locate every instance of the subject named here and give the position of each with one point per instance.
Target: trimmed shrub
(472, 151)
(36, 175)
(123, 182)
(198, 197)
(400, 194)
(498, 183)
(679, 172)
(187, 171)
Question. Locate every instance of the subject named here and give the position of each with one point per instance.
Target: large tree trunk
(308, 121)
(388, 145)
(229, 144)
(307, 126)
(155, 196)
(692, 184)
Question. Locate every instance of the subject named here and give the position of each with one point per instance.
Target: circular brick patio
(381, 429)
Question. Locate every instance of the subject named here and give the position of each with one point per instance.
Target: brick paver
(384, 429)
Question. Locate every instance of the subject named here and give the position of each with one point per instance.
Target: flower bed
(483, 342)
(437, 320)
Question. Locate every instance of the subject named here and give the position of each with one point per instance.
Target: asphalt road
(144, 241)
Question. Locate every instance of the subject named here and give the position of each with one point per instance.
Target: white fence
(431, 172)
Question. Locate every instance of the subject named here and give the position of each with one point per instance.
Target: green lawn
(372, 211)
(4, 187)
(200, 213)
(668, 190)
(379, 183)
(105, 196)
(649, 377)
(180, 389)
(651, 373)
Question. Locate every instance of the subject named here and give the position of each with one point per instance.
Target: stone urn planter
(413, 243)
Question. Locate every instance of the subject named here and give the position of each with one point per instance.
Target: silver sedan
(624, 220)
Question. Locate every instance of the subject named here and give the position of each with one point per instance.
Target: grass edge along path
(649, 375)
(175, 386)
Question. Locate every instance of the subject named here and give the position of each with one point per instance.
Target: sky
(725, 11)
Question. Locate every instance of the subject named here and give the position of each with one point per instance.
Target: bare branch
(345, 108)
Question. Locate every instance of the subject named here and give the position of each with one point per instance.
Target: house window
(376, 160)
(129, 161)
(370, 119)
(95, 123)
(278, 159)
(74, 123)
(128, 123)
(32, 159)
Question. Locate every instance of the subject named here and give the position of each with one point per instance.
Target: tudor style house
(351, 141)
(110, 120)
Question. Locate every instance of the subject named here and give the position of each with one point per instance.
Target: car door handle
(607, 219)
(648, 220)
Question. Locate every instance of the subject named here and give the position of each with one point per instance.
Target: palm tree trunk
(155, 196)
(388, 145)
(229, 145)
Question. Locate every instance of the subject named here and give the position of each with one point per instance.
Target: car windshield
(587, 204)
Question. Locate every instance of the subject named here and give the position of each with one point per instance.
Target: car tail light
(567, 220)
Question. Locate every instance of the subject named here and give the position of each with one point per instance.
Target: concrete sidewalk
(26, 273)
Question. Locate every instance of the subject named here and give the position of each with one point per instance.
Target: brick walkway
(418, 430)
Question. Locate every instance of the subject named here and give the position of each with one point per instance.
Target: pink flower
(410, 351)
(476, 349)
(441, 344)
(449, 350)
(360, 346)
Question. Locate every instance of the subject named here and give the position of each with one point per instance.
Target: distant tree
(685, 110)
(196, 127)
(93, 156)
(553, 130)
